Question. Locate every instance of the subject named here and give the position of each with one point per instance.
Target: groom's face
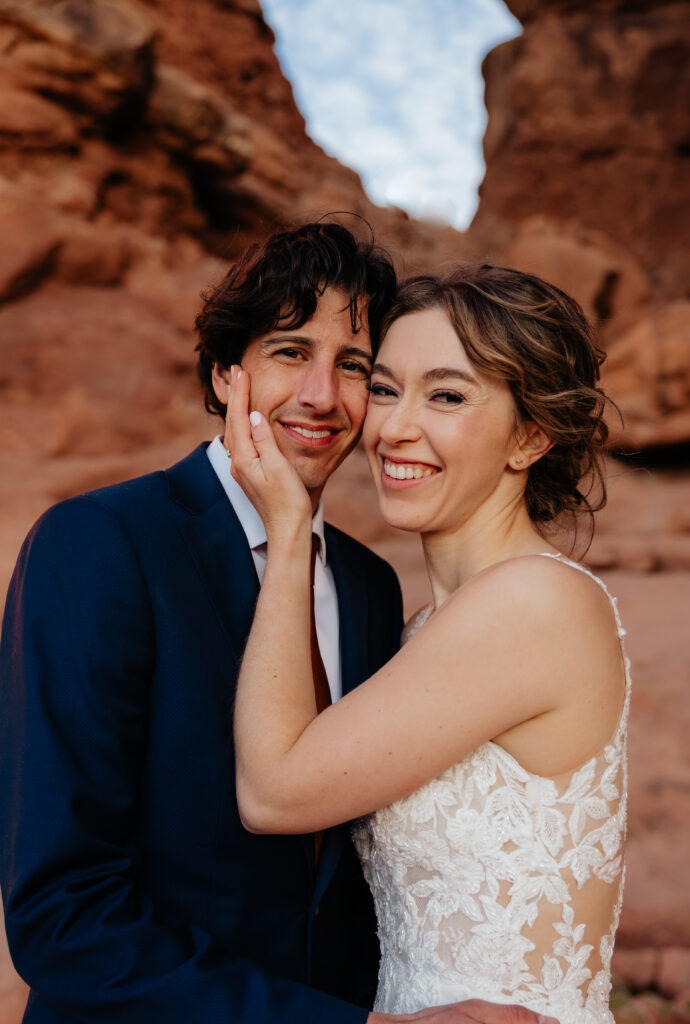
(310, 383)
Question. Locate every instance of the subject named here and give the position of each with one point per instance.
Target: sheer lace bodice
(493, 882)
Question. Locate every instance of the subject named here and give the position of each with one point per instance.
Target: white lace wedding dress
(491, 882)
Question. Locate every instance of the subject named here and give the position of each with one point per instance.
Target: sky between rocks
(393, 88)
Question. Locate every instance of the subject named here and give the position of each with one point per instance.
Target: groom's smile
(312, 435)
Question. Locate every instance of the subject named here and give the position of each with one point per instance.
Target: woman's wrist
(289, 542)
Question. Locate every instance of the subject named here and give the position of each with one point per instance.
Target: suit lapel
(354, 663)
(353, 613)
(217, 544)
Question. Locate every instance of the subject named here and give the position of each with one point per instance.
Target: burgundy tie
(322, 690)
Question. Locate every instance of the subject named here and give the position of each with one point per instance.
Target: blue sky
(393, 88)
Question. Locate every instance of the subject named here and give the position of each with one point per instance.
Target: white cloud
(393, 88)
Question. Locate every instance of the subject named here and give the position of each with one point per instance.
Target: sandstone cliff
(587, 151)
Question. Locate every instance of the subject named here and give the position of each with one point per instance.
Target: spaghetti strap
(623, 721)
(576, 565)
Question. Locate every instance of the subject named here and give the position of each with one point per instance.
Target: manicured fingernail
(255, 418)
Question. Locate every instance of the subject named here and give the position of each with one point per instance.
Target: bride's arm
(439, 698)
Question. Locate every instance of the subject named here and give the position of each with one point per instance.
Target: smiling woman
(519, 334)
(438, 433)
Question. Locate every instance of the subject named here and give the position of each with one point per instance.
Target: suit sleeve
(75, 663)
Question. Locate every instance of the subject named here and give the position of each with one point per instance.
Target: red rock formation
(587, 151)
(648, 370)
(589, 121)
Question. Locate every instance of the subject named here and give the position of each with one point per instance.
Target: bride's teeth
(400, 472)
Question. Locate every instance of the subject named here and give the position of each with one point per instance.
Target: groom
(132, 892)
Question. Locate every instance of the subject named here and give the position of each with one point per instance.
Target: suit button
(316, 912)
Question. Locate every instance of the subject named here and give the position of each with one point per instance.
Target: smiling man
(132, 892)
(309, 381)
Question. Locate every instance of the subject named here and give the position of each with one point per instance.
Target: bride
(485, 764)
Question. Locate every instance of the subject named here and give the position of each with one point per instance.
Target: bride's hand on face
(260, 468)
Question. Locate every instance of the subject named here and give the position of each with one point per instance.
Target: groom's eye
(353, 366)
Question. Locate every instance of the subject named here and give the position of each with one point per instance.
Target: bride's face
(438, 433)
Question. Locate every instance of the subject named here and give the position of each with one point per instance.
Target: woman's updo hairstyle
(535, 337)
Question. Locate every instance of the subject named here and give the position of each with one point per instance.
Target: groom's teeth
(312, 433)
(407, 472)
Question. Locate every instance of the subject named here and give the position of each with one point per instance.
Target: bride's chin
(398, 518)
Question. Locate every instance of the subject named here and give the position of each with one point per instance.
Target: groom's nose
(319, 386)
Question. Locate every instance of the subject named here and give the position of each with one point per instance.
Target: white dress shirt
(325, 595)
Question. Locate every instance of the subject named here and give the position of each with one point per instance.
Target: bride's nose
(400, 424)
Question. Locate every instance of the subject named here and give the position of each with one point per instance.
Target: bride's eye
(378, 390)
(448, 397)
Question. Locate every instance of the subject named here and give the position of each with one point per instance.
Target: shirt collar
(249, 518)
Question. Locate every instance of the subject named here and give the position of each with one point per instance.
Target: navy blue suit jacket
(132, 892)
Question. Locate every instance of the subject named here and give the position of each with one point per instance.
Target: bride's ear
(530, 444)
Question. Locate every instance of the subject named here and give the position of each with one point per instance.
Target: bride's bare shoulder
(551, 586)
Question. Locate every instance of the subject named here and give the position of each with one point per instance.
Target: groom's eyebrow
(352, 350)
(302, 339)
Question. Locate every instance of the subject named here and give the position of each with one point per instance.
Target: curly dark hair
(521, 329)
(277, 285)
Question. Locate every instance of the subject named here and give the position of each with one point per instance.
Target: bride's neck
(452, 558)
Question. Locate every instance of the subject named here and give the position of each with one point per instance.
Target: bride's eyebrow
(385, 371)
(448, 373)
(439, 373)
